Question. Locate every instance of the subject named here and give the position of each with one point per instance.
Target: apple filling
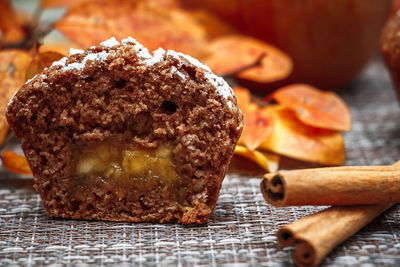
(128, 172)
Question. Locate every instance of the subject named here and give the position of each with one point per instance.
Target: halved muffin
(116, 133)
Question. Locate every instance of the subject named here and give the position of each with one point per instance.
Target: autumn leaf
(231, 53)
(90, 23)
(243, 97)
(314, 107)
(42, 61)
(295, 139)
(14, 64)
(258, 125)
(15, 163)
(265, 160)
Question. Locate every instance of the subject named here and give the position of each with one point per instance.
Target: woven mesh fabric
(242, 229)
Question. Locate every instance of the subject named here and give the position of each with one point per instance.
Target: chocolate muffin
(116, 133)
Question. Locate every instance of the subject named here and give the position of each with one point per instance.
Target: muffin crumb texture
(116, 133)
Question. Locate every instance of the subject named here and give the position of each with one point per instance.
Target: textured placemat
(242, 229)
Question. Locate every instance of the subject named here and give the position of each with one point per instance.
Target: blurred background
(327, 42)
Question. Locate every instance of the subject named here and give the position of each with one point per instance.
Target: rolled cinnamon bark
(318, 234)
(357, 185)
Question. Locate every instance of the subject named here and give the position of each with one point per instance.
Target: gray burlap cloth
(241, 231)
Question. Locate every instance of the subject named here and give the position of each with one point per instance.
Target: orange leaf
(257, 125)
(90, 23)
(15, 163)
(42, 61)
(314, 107)
(12, 76)
(232, 53)
(265, 160)
(243, 97)
(292, 138)
(257, 128)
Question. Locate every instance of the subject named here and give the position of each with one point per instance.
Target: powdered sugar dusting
(158, 56)
(76, 65)
(89, 57)
(174, 70)
(128, 40)
(110, 43)
(102, 56)
(191, 60)
(28, 81)
(61, 62)
(222, 87)
(141, 51)
(73, 51)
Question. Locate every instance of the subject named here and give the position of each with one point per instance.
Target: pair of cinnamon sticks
(357, 194)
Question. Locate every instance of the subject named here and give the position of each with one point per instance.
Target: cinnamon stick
(357, 185)
(318, 234)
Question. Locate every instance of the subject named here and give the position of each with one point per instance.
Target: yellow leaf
(265, 160)
(15, 163)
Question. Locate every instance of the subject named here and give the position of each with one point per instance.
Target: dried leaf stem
(256, 63)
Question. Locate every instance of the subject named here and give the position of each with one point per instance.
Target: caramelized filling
(128, 172)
